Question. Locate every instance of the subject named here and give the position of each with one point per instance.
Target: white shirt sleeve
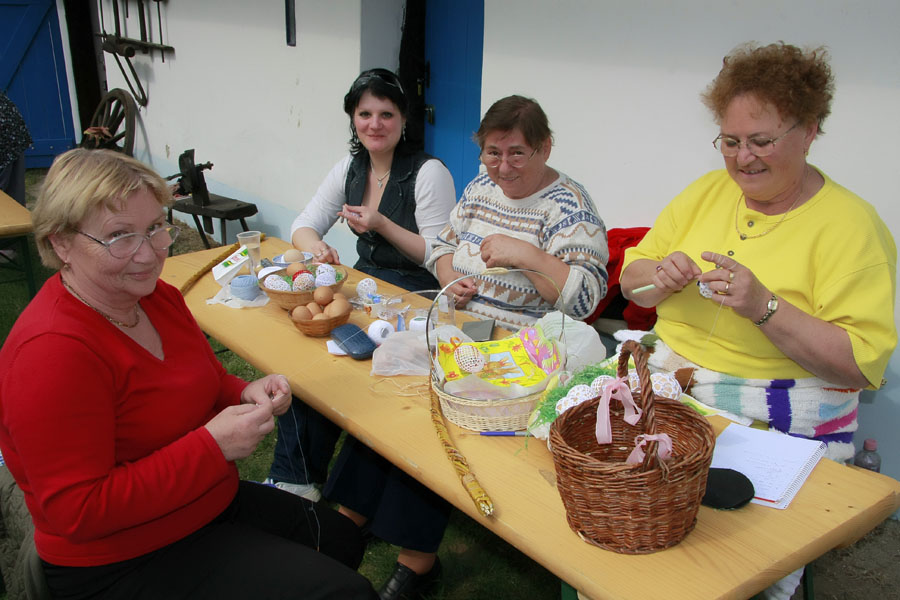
(321, 212)
(435, 199)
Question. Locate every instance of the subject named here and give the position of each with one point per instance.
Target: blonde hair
(81, 181)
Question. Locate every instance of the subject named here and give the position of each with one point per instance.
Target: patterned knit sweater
(560, 219)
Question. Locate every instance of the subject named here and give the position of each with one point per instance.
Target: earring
(404, 132)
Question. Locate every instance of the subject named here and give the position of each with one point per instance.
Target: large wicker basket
(632, 509)
(510, 414)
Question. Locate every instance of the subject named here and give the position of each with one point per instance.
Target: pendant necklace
(380, 179)
(737, 210)
(137, 315)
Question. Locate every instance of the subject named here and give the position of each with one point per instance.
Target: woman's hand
(501, 250)
(239, 429)
(271, 388)
(462, 290)
(362, 218)
(675, 271)
(736, 286)
(324, 253)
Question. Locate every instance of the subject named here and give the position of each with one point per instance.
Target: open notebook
(776, 463)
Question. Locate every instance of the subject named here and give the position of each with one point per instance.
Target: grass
(477, 563)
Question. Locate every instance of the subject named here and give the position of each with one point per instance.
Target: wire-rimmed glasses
(758, 145)
(127, 245)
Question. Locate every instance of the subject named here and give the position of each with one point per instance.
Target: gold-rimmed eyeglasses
(758, 145)
(515, 159)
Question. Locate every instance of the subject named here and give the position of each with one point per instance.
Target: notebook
(776, 463)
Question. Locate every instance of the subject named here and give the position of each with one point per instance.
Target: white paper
(776, 464)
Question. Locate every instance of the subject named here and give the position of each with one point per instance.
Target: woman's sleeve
(64, 426)
(579, 240)
(321, 212)
(435, 200)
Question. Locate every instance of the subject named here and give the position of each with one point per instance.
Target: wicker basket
(320, 327)
(511, 414)
(632, 509)
(289, 300)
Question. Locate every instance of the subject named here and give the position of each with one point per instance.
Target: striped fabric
(808, 408)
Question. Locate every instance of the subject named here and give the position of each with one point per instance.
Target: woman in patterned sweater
(521, 213)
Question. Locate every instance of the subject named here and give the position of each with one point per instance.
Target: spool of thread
(379, 330)
(245, 287)
(417, 324)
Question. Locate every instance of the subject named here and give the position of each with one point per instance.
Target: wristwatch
(771, 307)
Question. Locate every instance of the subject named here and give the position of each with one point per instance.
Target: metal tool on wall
(121, 46)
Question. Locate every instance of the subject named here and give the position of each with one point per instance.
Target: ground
(867, 570)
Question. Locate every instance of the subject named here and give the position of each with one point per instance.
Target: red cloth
(106, 441)
(637, 317)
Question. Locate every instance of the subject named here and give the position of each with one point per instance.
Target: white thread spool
(379, 330)
(418, 324)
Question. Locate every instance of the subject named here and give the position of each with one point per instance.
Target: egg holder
(288, 300)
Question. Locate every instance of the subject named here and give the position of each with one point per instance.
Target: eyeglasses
(758, 145)
(126, 246)
(515, 159)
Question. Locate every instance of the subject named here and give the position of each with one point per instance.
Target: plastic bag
(402, 353)
(406, 352)
(582, 342)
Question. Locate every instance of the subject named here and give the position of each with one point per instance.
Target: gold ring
(730, 275)
(727, 285)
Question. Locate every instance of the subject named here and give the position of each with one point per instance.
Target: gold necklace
(137, 315)
(380, 179)
(737, 209)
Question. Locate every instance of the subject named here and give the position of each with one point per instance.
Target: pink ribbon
(663, 449)
(618, 389)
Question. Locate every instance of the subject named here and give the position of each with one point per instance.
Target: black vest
(398, 203)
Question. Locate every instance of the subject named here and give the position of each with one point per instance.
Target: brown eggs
(294, 267)
(301, 313)
(323, 295)
(292, 255)
(314, 308)
(320, 316)
(337, 308)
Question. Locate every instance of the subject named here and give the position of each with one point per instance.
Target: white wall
(620, 82)
(269, 116)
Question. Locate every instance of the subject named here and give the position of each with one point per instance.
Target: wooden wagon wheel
(112, 125)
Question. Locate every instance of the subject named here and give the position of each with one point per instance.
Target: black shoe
(404, 584)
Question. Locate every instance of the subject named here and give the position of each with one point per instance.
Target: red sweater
(106, 441)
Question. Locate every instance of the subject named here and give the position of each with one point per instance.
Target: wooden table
(728, 555)
(15, 225)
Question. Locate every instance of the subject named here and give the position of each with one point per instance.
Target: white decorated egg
(366, 288)
(575, 396)
(277, 282)
(469, 359)
(304, 282)
(325, 268)
(325, 278)
(598, 383)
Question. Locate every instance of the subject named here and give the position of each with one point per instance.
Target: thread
(379, 330)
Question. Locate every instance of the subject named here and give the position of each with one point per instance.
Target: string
(318, 532)
(706, 342)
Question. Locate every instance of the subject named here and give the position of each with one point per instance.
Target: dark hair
(516, 112)
(797, 83)
(382, 84)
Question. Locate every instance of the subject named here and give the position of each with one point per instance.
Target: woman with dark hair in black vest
(396, 200)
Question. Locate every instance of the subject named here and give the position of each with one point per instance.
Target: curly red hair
(798, 83)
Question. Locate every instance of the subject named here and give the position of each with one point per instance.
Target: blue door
(454, 42)
(33, 74)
